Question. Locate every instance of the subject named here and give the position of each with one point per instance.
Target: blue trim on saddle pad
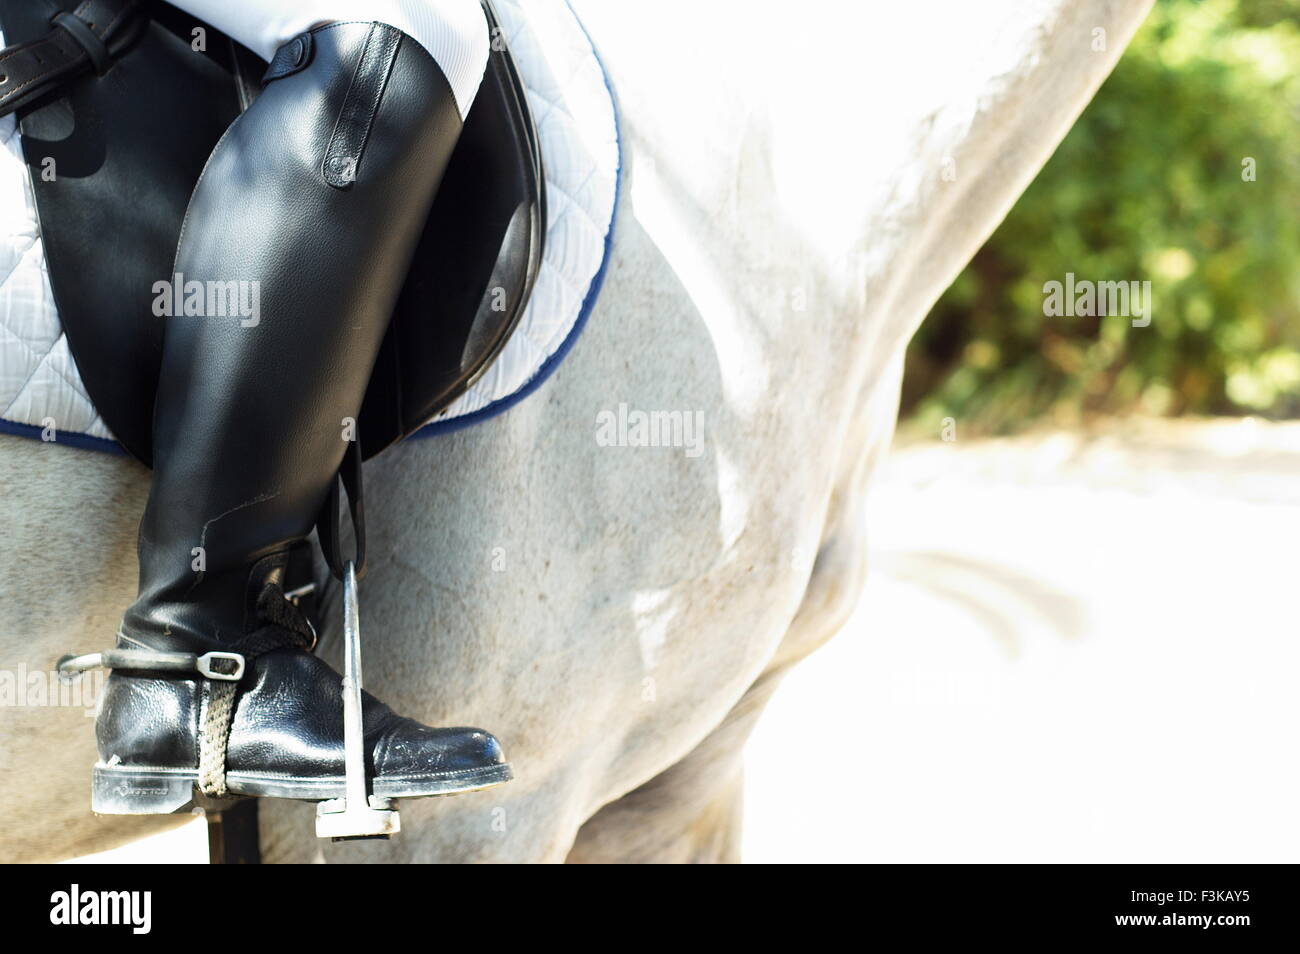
(71, 438)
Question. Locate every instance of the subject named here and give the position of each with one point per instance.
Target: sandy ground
(1070, 649)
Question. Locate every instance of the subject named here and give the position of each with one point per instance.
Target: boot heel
(117, 790)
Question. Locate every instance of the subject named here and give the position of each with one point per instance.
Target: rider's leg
(454, 32)
(313, 201)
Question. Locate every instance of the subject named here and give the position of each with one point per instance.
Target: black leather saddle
(120, 105)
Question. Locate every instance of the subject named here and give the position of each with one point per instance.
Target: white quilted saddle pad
(574, 113)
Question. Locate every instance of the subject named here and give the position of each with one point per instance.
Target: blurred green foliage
(1147, 186)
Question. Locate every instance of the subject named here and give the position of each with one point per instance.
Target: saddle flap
(109, 225)
(473, 269)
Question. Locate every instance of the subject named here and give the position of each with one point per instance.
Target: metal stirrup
(358, 814)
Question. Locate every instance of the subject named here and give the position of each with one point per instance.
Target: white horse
(802, 182)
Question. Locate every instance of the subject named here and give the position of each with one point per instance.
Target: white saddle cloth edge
(573, 108)
(41, 393)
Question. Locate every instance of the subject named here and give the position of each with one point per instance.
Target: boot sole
(145, 790)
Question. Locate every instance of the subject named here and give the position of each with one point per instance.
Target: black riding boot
(309, 208)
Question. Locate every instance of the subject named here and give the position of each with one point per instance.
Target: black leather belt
(89, 38)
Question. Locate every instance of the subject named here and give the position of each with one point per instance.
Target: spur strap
(221, 672)
(91, 37)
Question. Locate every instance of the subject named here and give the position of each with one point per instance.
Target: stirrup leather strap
(328, 528)
(90, 38)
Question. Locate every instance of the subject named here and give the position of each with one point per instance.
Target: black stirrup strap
(328, 529)
(89, 38)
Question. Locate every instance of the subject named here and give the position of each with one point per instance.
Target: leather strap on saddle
(88, 39)
(328, 528)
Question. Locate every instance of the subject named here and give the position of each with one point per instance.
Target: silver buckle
(204, 665)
